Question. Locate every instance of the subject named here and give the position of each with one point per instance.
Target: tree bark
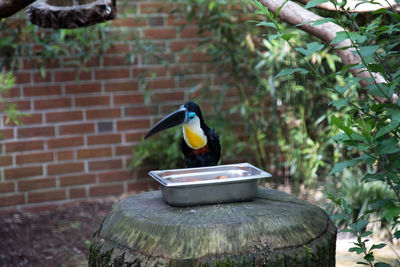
(10, 7)
(276, 229)
(355, 6)
(294, 14)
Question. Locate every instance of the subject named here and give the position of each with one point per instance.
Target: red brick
(28, 132)
(116, 60)
(20, 105)
(181, 45)
(92, 101)
(104, 139)
(164, 97)
(149, 71)
(160, 33)
(34, 157)
(62, 168)
(129, 99)
(83, 88)
(124, 150)
(143, 186)
(129, 22)
(77, 192)
(38, 78)
(6, 187)
(160, 84)
(140, 111)
(194, 57)
(52, 103)
(122, 86)
(22, 77)
(28, 185)
(11, 200)
(115, 176)
(105, 190)
(66, 142)
(78, 179)
(6, 134)
(77, 128)
(33, 118)
(103, 113)
(190, 32)
(71, 62)
(133, 124)
(12, 92)
(177, 21)
(186, 69)
(151, 8)
(23, 172)
(192, 82)
(24, 146)
(119, 48)
(112, 73)
(6, 160)
(134, 137)
(105, 164)
(65, 155)
(44, 196)
(42, 90)
(94, 152)
(63, 116)
(62, 76)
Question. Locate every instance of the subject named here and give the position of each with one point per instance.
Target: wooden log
(69, 14)
(275, 229)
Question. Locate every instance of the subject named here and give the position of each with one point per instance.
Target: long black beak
(175, 118)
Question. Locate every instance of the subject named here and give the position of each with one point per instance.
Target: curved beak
(175, 118)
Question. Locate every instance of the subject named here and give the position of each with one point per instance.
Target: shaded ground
(55, 238)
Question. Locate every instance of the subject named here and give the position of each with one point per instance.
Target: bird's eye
(191, 115)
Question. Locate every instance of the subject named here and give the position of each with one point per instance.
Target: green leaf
(382, 264)
(311, 48)
(397, 234)
(267, 24)
(387, 129)
(314, 3)
(381, 89)
(358, 250)
(286, 72)
(366, 51)
(340, 37)
(379, 246)
(322, 21)
(339, 104)
(287, 36)
(373, 177)
(369, 257)
(348, 163)
(376, 67)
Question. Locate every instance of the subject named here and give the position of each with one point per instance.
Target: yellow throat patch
(193, 139)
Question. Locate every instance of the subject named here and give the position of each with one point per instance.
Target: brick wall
(77, 141)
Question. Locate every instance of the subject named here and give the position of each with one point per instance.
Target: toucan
(200, 144)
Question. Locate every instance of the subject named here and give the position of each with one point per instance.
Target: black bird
(200, 144)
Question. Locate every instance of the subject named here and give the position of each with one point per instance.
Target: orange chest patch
(201, 151)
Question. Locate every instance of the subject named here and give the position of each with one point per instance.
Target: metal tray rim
(263, 174)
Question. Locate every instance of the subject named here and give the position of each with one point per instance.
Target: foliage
(371, 134)
(248, 63)
(7, 81)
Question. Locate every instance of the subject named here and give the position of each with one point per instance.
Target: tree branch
(358, 6)
(10, 7)
(294, 14)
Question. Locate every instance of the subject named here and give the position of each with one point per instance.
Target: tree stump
(275, 229)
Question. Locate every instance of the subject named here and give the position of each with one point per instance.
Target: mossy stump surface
(275, 229)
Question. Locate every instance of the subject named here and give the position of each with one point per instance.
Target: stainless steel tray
(209, 185)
